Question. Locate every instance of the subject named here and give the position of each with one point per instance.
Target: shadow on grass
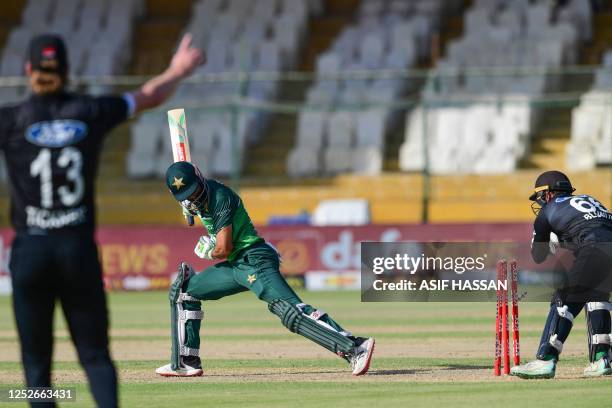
(466, 367)
(400, 372)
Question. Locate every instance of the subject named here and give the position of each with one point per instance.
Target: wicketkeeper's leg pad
(185, 318)
(558, 327)
(599, 327)
(315, 330)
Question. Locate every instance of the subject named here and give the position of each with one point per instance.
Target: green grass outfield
(428, 355)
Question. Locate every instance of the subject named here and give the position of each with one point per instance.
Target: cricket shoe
(360, 361)
(192, 369)
(599, 368)
(535, 369)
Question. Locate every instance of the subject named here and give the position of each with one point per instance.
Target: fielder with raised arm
(582, 225)
(249, 263)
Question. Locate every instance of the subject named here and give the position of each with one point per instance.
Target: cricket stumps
(506, 278)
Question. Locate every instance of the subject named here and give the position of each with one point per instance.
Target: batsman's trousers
(256, 269)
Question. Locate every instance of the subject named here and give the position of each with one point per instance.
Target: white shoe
(535, 369)
(360, 362)
(598, 368)
(183, 371)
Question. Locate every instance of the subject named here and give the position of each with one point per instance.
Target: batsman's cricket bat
(177, 121)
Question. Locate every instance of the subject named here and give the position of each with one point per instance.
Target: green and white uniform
(252, 265)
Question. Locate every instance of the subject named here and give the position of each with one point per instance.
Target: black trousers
(588, 280)
(64, 267)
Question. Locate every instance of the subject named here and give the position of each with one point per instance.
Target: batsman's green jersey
(224, 207)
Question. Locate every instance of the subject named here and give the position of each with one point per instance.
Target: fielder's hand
(205, 247)
(186, 58)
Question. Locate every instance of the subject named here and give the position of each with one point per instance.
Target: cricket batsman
(248, 263)
(583, 225)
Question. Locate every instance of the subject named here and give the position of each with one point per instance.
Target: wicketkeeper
(583, 225)
(249, 263)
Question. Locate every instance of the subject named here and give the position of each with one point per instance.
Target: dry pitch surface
(428, 354)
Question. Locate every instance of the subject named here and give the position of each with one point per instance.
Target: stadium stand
(591, 137)
(238, 37)
(493, 137)
(107, 23)
(387, 34)
(392, 197)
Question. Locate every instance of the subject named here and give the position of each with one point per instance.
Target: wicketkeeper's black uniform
(584, 226)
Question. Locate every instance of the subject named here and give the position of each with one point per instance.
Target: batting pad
(297, 322)
(185, 317)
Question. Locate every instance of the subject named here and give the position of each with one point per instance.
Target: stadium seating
(386, 34)
(239, 36)
(479, 123)
(107, 23)
(591, 138)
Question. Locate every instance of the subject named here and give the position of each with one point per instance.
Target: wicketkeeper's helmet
(549, 181)
(553, 181)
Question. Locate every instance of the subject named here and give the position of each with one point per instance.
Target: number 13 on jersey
(70, 159)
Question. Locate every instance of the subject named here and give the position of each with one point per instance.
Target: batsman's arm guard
(599, 327)
(185, 317)
(315, 330)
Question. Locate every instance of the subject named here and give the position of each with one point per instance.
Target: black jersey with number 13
(52, 146)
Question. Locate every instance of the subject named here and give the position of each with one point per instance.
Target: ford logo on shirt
(56, 133)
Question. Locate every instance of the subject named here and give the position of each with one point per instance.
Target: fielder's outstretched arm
(158, 89)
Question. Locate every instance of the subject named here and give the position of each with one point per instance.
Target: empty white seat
(367, 160)
(141, 165)
(337, 160)
(371, 128)
(238, 8)
(371, 8)
(287, 36)
(264, 10)
(538, 17)
(422, 30)
(400, 7)
(579, 156)
(296, 8)
(310, 132)
(224, 161)
(349, 96)
(372, 51)
(269, 58)
(328, 63)
(12, 64)
(303, 161)
(341, 129)
(319, 95)
(243, 56)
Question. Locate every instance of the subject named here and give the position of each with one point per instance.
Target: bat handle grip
(190, 220)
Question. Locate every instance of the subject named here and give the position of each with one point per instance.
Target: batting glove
(205, 247)
(189, 216)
